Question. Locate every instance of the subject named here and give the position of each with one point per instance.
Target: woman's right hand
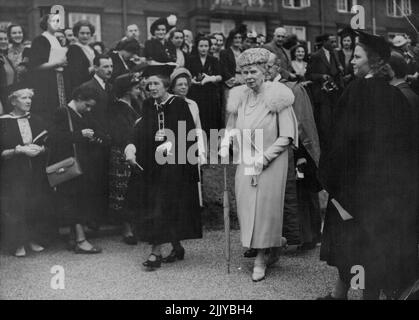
(88, 133)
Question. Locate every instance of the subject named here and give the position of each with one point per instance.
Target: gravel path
(117, 274)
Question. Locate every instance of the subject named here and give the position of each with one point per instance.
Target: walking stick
(226, 206)
(201, 203)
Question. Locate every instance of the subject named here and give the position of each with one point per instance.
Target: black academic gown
(44, 82)
(24, 190)
(164, 197)
(77, 70)
(370, 169)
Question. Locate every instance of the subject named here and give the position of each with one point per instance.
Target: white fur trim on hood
(276, 96)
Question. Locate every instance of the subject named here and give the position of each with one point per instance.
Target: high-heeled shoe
(20, 252)
(150, 264)
(259, 272)
(175, 255)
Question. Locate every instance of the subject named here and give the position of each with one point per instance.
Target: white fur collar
(276, 95)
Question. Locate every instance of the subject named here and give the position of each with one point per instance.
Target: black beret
(159, 70)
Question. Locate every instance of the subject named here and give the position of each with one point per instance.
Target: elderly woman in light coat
(262, 122)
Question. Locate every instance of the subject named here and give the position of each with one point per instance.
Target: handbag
(66, 169)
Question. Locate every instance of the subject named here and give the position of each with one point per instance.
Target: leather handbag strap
(70, 124)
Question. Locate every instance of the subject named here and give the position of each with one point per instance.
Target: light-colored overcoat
(260, 197)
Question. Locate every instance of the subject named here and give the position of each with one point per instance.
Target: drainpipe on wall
(322, 16)
(374, 20)
(124, 15)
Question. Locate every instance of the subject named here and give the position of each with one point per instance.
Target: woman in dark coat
(124, 114)
(46, 62)
(80, 57)
(164, 195)
(346, 54)
(158, 48)
(370, 173)
(24, 187)
(75, 196)
(206, 74)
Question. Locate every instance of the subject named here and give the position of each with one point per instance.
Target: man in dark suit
(323, 70)
(100, 84)
(276, 46)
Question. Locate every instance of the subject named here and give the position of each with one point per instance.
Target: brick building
(306, 18)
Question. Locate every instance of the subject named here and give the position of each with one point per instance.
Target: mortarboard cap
(159, 70)
(375, 43)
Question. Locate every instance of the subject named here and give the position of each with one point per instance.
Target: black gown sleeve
(39, 53)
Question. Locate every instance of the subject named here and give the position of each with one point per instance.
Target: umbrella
(226, 206)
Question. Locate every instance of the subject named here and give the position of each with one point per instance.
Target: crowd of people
(82, 127)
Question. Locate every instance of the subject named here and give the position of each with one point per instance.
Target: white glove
(130, 152)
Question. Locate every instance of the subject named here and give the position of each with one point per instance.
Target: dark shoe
(153, 264)
(175, 255)
(130, 240)
(307, 246)
(330, 298)
(251, 253)
(79, 250)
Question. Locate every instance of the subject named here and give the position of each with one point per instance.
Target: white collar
(123, 61)
(100, 80)
(277, 78)
(163, 102)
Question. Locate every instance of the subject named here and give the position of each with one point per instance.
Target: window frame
(292, 4)
(405, 5)
(348, 9)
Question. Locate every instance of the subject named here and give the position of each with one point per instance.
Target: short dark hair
(84, 93)
(83, 23)
(294, 50)
(98, 57)
(43, 24)
(9, 31)
(399, 65)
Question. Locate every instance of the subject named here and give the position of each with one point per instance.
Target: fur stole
(276, 97)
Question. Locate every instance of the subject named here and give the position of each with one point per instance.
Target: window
(300, 32)
(242, 3)
(399, 8)
(256, 26)
(346, 5)
(93, 18)
(224, 26)
(296, 4)
(4, 24)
